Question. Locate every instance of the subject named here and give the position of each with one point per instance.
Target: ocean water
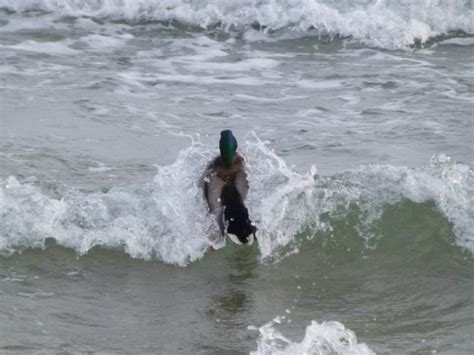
(356, 122)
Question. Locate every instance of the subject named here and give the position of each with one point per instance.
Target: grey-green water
(355, 120)
(412, 293)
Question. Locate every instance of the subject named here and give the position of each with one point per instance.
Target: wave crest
(167, 219)
(381, 23)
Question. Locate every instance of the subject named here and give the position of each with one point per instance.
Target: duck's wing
(213, 187)
(242, 184)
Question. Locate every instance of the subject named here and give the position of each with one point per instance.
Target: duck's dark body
(225, 190)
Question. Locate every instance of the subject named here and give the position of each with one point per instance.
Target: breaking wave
(378, 23)
(167, 219)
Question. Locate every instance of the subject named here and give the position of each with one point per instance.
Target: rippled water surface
(355, 120)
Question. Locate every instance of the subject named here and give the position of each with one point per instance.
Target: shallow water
(355, 119)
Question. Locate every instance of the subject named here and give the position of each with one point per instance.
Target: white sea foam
(381, 23)
(102, 42)
(99, 167)
(320, 85)
(241, 66)
(205, 61)
(59, 48)
(458, 41)
(167, 219)
(319, 338)
(247, 97)
(137, 78)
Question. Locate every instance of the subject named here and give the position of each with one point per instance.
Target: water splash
(167, 219)
(285, 203)
(325, 338)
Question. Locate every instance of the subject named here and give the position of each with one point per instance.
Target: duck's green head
(228, 147)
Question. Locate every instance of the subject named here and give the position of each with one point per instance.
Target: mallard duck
(225, 187)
